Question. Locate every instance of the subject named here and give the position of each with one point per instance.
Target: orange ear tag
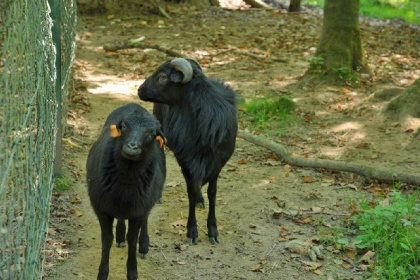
(162, 141)
(115, 133)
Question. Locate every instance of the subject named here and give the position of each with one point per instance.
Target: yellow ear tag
(162, 141)
(115, 133)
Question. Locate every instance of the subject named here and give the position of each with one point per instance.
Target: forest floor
(272, 217)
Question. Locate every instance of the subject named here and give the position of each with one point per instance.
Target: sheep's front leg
(194, 195)
(213, 233)
(106, 237)
(132, 236)
(144, 238)
(120, 233)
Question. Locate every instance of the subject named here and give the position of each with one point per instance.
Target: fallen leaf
(308, 179)
(257, 268)
(368, 258)
(76, 212)
(346, 265)
(179, 223)
(242, 161)
(312, 265)
(75, 199)
(363, 145)
(305, 220)
(318, 272)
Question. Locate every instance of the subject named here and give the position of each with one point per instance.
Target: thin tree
(294, 6)
(340, 46)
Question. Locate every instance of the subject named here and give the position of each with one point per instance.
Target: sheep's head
(134, 135)
(167, 83)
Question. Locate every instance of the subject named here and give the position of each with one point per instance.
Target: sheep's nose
(132, 149)
(132, 146)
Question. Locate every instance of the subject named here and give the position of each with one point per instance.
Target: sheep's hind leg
(213, 233)
(106, 237)
(120, 233)
(200, 200)
(132, 236)
(144, 238)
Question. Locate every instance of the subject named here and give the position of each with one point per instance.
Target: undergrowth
(408, 10)
(62, 184)
(275, 114)
(391, 229)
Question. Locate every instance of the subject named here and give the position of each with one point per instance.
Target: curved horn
(181, 64)
(195, 62)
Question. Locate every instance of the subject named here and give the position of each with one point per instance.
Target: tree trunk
(340, 47)
(407, 103)
(294, 6)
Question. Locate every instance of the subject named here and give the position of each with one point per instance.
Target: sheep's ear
(176, 76)
(114, 131)
(161, 138)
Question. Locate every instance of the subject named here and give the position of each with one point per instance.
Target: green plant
(274, 113)
(346, 74)
(392, 230)
(408, 10)
(62, 184)
(316, 65)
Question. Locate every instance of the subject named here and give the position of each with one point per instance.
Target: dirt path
(248, 202)
(270, 215)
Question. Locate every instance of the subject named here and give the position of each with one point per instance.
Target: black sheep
(199, 119)
(125, 175)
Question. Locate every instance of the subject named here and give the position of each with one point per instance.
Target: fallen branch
(112, 47)
(259, 57)
(363, 170)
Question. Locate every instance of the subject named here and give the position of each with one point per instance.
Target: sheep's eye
(123, 126)
(162, 78)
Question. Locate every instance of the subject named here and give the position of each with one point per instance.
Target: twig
(129, 45)
(328, 213)
(259, 57)
(163, 12)
(363, 170)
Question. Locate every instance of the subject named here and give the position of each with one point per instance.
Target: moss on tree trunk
(340, 46)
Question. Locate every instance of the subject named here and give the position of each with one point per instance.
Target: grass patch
(62, 184)
(270, 113)
(408, 10)
(392, 230)
(389, 227)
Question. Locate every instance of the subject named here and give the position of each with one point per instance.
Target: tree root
(363, 170)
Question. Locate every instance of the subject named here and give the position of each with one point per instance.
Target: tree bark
(340, 45)
(365, 171)
(294, 6)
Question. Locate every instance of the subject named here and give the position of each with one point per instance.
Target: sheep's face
(137, 136)
(164, 86)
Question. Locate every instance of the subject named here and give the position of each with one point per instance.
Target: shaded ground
(271, 216)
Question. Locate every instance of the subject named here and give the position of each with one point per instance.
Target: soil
(273, 218)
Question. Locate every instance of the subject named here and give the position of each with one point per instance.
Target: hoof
(200, 205)
(120, 244)
(214, 240)
(192, 241)
(142, 256)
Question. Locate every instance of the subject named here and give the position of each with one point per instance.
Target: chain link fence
(28, 127)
